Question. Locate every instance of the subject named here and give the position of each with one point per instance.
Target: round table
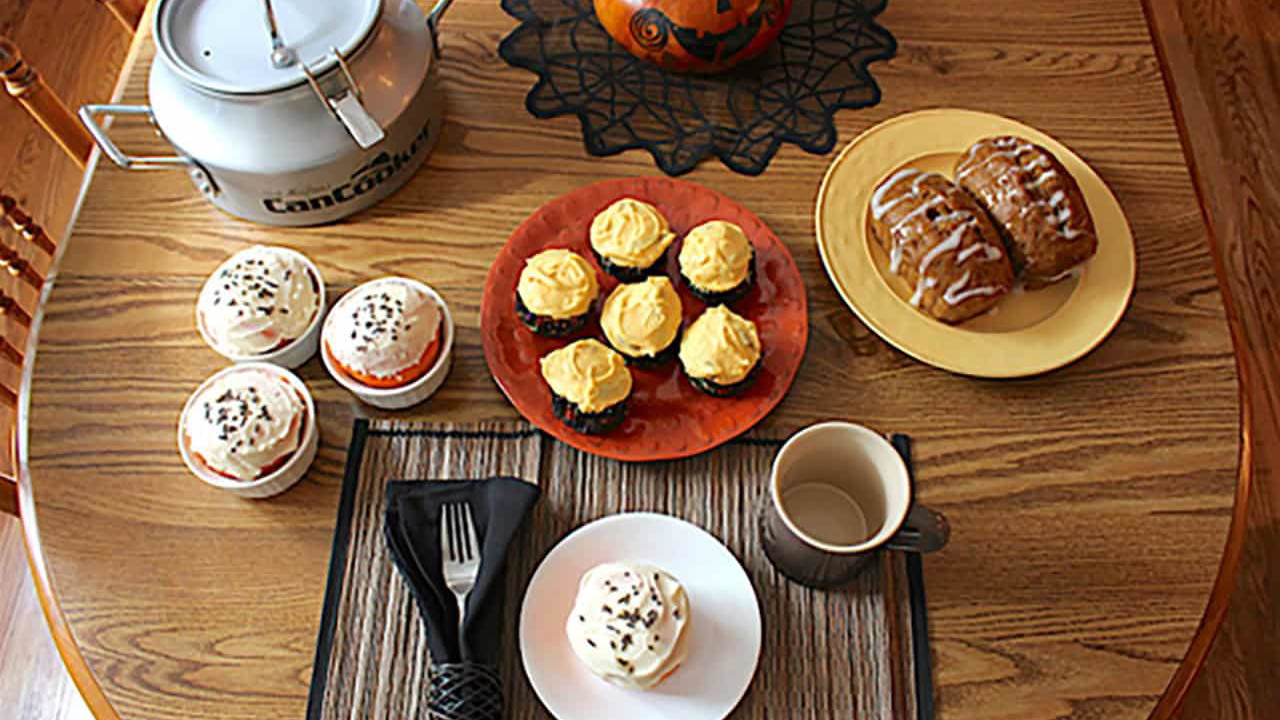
(1090, 506)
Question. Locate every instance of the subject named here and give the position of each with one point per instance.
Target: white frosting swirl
(245, 422)
(628, 624)
(259, 300)
(382, 328)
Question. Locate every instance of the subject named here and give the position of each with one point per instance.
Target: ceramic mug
(838, 492)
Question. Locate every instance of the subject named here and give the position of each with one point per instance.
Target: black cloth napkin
(499, 506)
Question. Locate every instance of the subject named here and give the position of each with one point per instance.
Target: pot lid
(226, 45)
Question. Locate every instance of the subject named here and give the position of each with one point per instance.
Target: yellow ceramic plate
(1029, 332)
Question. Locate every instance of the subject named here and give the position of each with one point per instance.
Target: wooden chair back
(26, 86)
(128, 12)
(26, 251)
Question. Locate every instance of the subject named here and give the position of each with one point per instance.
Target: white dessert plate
(724, 644)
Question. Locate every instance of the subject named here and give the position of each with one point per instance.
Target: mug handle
(923, 530)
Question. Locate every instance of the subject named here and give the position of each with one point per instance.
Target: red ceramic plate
(668, 417)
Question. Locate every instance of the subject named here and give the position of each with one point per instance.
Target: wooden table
(1090, 506)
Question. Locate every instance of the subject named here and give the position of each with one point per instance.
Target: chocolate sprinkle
(377, 316)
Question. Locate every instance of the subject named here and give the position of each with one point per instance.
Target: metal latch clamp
(347, 106)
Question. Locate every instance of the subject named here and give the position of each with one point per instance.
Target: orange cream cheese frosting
(629, 624)
(716, 256)
(260, 299)
(631, 233)
(720, 346)
(383, 327)
(641, 319)
(558, 284)
(588, 374)
(245, 423)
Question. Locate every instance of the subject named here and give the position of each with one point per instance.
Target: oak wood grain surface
(1090, 505)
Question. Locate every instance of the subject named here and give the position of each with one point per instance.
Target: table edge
(73, 659)
(1215, 612)
(1166, 707)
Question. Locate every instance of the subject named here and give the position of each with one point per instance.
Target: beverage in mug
(826, 512)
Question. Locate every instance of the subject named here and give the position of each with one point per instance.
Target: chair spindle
(25, 84)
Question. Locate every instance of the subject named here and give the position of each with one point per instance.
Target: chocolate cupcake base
(627, 274)
(724, 297)
(600, 423)
(650, 362)
(549, 326)
(715, 389)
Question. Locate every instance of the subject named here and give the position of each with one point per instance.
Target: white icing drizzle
(1011, 154)
(957, 215)
(1037, 161)
(962, 220)
(1073, 272)
(878, 205)
(1058, 212)
(951, 243)
(918, 295)
(956, 293)
(924, 207)
(990, 252)
(1062, 213)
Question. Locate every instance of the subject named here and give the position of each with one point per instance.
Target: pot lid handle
(347, 107)
(281, 56)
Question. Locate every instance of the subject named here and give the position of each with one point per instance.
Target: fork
(460, 552)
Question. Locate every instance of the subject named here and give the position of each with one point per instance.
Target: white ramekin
(289, 473)
(416, 391)
(295, 353)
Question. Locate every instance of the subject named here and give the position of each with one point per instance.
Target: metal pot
(292, 112)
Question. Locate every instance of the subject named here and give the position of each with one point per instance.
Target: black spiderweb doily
(788, 94)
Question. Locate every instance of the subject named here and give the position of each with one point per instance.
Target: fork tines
(458, 533)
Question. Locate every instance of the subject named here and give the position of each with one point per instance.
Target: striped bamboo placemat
(837, 654)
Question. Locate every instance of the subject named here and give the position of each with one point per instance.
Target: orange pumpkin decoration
(701, 36)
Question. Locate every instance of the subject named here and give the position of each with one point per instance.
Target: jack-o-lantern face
(702, 36)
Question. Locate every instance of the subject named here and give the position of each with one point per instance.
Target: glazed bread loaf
(1036, 204)
(942, 243)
